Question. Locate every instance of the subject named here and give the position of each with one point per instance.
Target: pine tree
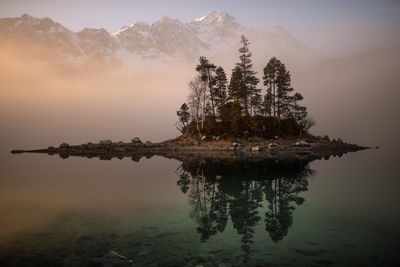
(283, 80)
(219, 90)
(267, 103)
(249, 80)
(206, 71)
(184, 117)
(236, 86)
(256, 104)
(270, 79)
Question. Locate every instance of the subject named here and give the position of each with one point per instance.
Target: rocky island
(209, 147)
(230, 122)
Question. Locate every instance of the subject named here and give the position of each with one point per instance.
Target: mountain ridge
(165, 38)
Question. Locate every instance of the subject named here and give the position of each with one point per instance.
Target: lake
(161, 212)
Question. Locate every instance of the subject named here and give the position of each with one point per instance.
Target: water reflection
(238, 191)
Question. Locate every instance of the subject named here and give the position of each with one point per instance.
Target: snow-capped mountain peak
(215, 17)
(166, 37)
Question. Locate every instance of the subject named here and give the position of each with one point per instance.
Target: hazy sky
(331, 27)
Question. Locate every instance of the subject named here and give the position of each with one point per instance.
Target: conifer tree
(267, 103)
(283, 80)
(236, 86)
(184, 117)
(270, 79)
(206, 71)
(220, 87)
(249, 80)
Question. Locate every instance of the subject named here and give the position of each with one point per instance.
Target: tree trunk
(274, 98)
(211, 92)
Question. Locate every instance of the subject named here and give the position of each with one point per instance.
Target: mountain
(215, 33)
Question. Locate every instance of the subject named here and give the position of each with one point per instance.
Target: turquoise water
(161, 212)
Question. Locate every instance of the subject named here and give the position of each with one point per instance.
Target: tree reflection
(241, 190)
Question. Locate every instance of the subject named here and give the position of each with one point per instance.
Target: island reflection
(222, 190)
(238, 191)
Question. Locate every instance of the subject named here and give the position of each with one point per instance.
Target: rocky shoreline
(210, 148)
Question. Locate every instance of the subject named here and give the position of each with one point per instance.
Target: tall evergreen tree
(236, 87)
(270, 79)
(219, 92)
(267, 103)
(184, 117)
(249, 79)
(206, 71)
(283, 89)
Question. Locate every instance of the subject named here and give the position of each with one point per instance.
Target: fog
(45, 101)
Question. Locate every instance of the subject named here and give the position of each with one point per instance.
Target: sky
(335, 28)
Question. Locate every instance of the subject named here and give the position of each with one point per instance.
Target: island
(230, 122)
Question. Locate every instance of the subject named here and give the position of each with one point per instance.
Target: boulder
(120, 143)
(273, 146)
(217, 138)
(64, 145)
(148, 144)
(340, 141)
(163, 145)
(325, 137)
(302, 143)
(247, 148)
(136, 140)
(203, 138)
(276, 137)
(236, 146)
(255, 149)
(195, 143)
(105, 142)
(119, 149)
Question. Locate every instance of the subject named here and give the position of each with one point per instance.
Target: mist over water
(80, 209)
(46, 102)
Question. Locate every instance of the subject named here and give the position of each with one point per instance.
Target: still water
(161, 212)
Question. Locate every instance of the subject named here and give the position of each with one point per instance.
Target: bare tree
(197, 100)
